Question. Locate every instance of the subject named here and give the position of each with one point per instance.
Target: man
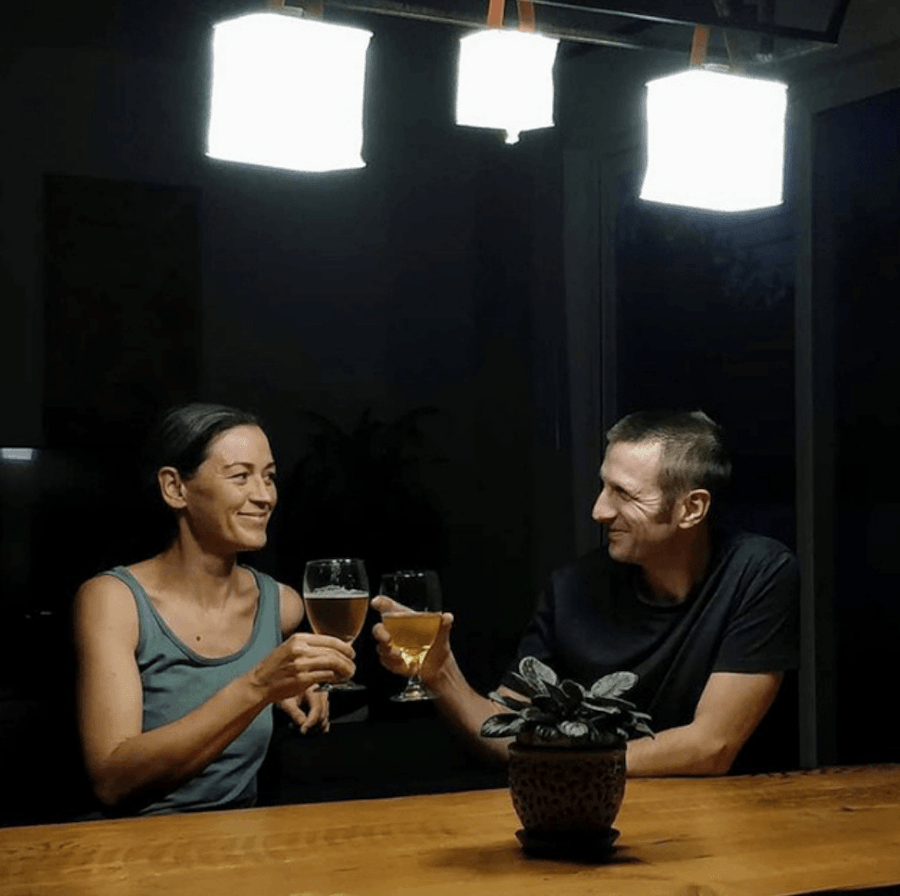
(707, 620)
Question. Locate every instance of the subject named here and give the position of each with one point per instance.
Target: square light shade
(288, 93)
(715, 141)
(505, 81)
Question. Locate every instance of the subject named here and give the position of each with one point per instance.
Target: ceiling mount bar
(815, 40)
(409, 11)
(828, 36)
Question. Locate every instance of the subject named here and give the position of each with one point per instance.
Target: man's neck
(672, 576)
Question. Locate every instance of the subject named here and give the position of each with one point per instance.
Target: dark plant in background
(560, 713)
(361, 492)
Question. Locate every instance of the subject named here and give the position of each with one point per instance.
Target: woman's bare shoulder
(291, 609)
(105, 602)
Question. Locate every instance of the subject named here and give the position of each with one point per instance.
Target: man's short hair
(693, 449)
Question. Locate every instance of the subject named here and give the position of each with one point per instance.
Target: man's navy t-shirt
(741, 617)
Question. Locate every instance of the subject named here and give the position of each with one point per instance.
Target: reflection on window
(17, 455)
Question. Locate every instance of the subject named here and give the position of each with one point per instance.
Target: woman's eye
(241, 477)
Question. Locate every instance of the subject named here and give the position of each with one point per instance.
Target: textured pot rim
(565, 745)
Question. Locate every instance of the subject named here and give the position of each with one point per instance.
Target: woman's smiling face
(230, 498)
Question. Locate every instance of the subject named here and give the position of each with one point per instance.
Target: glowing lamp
(715, 141)
(287, 92)
(505, 81)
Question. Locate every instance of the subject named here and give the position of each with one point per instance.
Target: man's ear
(171, 487)
(694, 508)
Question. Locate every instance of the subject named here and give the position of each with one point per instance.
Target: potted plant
(567, 764)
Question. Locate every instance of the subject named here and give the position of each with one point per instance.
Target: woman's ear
(171, 487)
(695, 508)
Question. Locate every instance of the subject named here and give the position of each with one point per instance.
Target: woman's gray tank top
(176, 680)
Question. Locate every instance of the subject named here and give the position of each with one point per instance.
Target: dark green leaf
(503, 725)
(525, 687)
(532, 669)
(508, 701)
(546, 732)
(560, 697)
(573, 690)
(546, 702)
(574, 729)
(614, 684)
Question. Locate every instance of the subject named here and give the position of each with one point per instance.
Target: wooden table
(750, 836)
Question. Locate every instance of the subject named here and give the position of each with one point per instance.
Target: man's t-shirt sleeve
(763, 634)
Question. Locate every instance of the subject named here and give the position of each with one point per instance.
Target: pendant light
(715, 140)
(287, 92)
(505, 78)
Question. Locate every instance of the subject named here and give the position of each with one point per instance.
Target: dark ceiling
(757, 31)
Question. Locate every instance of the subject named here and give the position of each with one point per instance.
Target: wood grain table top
(766, 835)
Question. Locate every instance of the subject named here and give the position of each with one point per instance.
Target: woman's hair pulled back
(182, 436)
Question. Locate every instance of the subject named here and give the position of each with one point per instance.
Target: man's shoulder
(755, 564)
(748, 546)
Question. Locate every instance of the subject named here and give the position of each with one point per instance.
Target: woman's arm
(125, 762)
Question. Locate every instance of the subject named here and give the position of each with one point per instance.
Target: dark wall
(420, 297)
(858, 212)
(412, 283)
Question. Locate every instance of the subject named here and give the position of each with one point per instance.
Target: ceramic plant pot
(567, 798)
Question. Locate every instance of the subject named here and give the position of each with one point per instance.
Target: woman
(181, 655)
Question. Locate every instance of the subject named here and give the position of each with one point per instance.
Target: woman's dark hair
(182, 436)
(180, 439)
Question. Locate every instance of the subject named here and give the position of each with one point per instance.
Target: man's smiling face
(631, 505)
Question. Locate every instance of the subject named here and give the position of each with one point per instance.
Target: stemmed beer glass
(336, 597)
(414, 628)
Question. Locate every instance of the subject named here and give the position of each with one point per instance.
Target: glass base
(412, 694)
(342, 686)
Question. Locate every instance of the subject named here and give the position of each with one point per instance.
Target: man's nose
(602, 511)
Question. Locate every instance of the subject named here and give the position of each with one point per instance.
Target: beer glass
(414, 628)
(336, 597)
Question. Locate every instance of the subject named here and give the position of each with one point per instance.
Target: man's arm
(456, 700)
(731, 706)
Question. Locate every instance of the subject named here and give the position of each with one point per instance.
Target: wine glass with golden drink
(336, 597)
(414, 628)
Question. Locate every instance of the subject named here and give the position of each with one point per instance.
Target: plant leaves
(533, 670)
(614, 684)
(644, 729)
(561, 699)
(574, 729)
(546, 732)
(525, 687)
(574, 691)
(505, 724)
(545, 702)
(506, 700)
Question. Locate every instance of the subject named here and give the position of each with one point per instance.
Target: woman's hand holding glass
(300, 662)
(411, 625)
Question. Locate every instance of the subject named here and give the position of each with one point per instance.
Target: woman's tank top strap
(151, 625)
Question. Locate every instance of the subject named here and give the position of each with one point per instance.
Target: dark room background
(422, 337)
